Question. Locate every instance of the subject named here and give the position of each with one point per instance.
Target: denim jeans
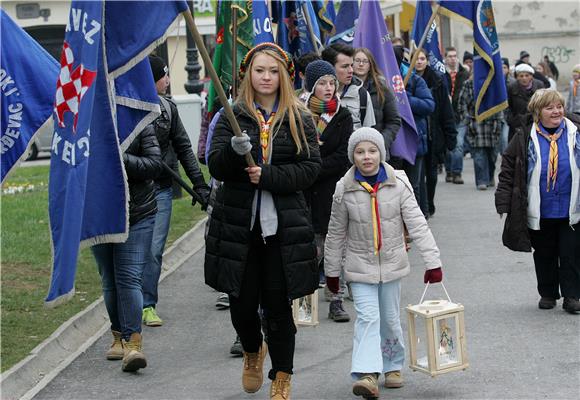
(454, 160)
(484, 164)
(153, 269)
(378, 343)
(416, 175)
(121, 268)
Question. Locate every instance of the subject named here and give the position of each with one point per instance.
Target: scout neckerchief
(373, 191)
(265, 128)
(553, 156)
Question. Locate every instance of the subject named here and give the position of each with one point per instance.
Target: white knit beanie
(366, 134)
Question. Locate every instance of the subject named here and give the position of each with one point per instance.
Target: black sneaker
(336, 312)
(546, 303)
(571, 305)
(237, 349)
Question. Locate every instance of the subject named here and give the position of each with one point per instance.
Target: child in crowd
(371, 205)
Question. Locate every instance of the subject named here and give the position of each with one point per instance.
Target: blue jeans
(153, 269)
(454, 160)
(484, 164)
(121, 268)
(378, 343)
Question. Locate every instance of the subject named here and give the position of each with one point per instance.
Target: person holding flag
(260, 245)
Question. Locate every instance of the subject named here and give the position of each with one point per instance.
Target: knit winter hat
(267, 46)
(524, 68)
(158, 67)
(467, 56)
(505, 62)
(576, 69)
(366, 134)
(524, 54)
(316, 70)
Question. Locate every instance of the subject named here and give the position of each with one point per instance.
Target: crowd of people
(326, 203)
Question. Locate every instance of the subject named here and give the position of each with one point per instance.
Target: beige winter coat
(350, 231)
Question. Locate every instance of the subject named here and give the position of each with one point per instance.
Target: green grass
(26, 264)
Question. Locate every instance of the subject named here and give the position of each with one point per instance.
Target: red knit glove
(332, 283)
(433, 275)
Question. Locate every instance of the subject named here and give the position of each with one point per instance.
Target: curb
(25, 379)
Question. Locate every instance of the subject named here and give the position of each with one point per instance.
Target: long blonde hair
(288, 103)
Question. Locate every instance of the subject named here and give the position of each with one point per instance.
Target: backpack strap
(362, 97)
(166, 105)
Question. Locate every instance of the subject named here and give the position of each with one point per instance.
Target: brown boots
(133, 358)
(367, 386)
(280, 389)
(116, 351)
(252, 374)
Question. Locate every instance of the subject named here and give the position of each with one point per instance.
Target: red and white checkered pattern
(71, 86)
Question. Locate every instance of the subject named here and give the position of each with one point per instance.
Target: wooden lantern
(437, 336)
(305, 310)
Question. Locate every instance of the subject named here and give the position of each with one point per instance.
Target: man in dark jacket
(171, 135)
(456, 76)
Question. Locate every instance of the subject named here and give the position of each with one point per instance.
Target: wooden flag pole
(216, 81)
(234, 12)
(420, 45)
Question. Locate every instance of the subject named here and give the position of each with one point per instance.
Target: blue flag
(262, 22)
(27, 75)
(488, 81)
(105, 43)
(294, 34)
(372, 33)
(345, 22)
(423, 13)
(325, 14)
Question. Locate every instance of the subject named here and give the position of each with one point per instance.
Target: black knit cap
(316, 70)
(158, 67)
(505, 62)
(524, 54)
(467, 56)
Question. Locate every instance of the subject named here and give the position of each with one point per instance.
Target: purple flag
(371, 32)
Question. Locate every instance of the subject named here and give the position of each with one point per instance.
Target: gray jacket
(350, 231)
(351, 100)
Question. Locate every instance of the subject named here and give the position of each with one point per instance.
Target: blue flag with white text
(262, 22)
(105, 42)
(423, 13)
(372, 33)
(345, 22)
(27, 75)
(488, 81)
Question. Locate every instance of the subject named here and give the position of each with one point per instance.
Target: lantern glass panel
(447, 346)
(305, 309)
(421, 343)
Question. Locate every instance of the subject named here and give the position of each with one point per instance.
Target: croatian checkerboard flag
(27, 74)
(105, 96)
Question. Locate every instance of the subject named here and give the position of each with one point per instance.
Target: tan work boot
(252, 374)
(393, 379)
(116, 351)
(367, 386)
(133, 358)
(280, 389)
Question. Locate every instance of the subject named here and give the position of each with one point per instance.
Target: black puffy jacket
(143, 164)
(442, 130)
(171, 133)
(288, 174)
(335, 163)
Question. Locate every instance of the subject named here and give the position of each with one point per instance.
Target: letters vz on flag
(105, 96)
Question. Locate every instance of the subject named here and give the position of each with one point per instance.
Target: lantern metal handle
(425, 291)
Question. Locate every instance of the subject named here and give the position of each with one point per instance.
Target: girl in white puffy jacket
(371, 204)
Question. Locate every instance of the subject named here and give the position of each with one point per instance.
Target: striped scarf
(553, 156)
(265, 127)
(323, 112)
(375, 213)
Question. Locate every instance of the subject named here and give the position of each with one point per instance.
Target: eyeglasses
(360, 61)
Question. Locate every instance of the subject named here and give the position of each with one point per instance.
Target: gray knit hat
(366, 134)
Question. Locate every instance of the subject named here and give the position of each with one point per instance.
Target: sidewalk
(515, 350)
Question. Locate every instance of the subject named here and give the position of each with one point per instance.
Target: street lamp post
(193, 85)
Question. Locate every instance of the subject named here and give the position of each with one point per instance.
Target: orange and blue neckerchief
(371, 184)
(552, 174)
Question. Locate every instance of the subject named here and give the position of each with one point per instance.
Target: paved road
(516, 351)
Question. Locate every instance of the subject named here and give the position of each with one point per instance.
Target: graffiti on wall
(558, 54)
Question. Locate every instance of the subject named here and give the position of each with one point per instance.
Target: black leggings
(264, 284)
(557, 258)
